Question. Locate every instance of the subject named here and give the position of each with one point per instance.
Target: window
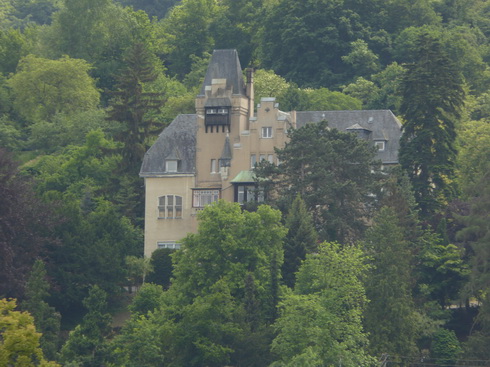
(246, 193)
(261, 157)
(270, 158)
(170, 207)
(171, 165)
(211, 111)
(168, 244)
(267, 132)
(380, 145)
(253, 160)
(213, 165)
(223, 111)
(204, 197)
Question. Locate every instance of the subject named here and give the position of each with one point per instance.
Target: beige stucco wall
(167, 229)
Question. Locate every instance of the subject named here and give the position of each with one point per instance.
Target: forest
(345, 264)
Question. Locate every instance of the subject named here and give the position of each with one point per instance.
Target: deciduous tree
(42, 88)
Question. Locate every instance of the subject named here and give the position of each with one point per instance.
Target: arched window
(170, 207)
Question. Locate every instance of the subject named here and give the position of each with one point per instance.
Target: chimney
(250, 92)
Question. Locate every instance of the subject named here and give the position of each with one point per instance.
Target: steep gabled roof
(382, 123)
(177, 141)
(225, 64)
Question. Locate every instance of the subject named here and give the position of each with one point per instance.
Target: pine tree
(432, 97)
(131, 106)
(300, 240)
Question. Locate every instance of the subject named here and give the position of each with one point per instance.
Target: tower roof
(225, 64)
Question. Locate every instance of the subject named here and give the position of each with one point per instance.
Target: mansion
(202, 157)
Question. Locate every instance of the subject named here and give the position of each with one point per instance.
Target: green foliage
(85, 343)
(25, 227)
(147, 299)
(161, 262)
(67, 129)
(187, 32)
(442, 270)
(132, 105)
(432, 97)
(137, 269)
(390, 315)
(13, 46)
(19, 341)
(217, 309)
(363, 61)
(268, 84)
(154, 8)
(229, 245)
(304, 41)
(46, 319)
(321, 321)
(445, 347)
(300, 240)
(474, 154)
(43, 88)
(294, 98)
(335, 174)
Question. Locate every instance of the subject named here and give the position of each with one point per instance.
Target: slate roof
(225, 64)
(178, 140)
(383, 124)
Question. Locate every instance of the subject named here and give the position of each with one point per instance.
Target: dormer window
(171, 165)
(380, 145)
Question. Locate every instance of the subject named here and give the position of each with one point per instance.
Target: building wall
(166, 230)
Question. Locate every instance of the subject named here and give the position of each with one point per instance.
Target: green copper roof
(244, 176)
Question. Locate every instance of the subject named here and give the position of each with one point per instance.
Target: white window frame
(213, 165)
(201, 198)
(253, 160)
(222, 111)
(171, 165)
(381, 145)
(168, 244)
(267, 132)
(170, 207)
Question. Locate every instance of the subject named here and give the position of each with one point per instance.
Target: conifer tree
(132, 105)
(390, 314)
(300, 240)
(432, 97)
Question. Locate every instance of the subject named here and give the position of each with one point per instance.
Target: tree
(132, 106)
(390, 317)
(321, 323)
(162, 267)
(229, 245)
(43, 88)
(19, 341)
(26, 227)
(305, 41)
(445, 347)
(335, 174)
(187, 32)
(432, 97)
(219, 307)
(46, 319)
(300, 240)
(86, 342)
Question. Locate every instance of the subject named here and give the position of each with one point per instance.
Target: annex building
(202, 157)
